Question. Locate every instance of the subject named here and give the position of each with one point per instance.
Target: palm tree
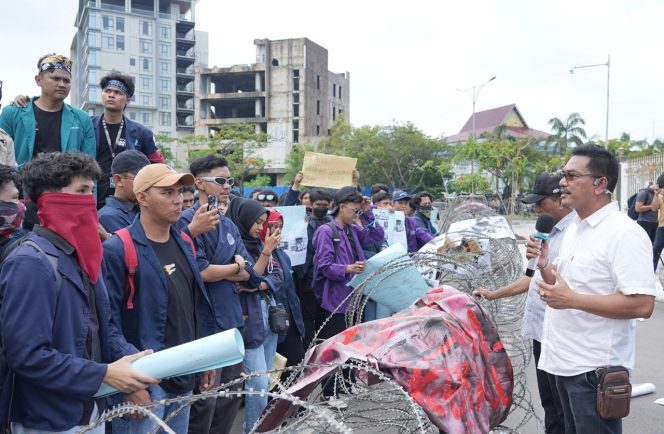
(567, 131)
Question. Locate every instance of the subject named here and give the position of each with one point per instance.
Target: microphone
(543, 226)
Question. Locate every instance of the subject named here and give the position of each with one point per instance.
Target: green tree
(164, 145)
(239, 144)
(464, 184)
(294, 160)
(258, 181)
(567, 131)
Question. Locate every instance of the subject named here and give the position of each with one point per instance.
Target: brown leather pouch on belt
(614, 392)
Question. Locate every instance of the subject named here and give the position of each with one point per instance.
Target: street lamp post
(475, 91)
(608, 81)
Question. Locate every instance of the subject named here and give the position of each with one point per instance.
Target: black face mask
(319, 212)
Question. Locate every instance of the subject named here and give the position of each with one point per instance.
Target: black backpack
(6, 375)
(631, 203)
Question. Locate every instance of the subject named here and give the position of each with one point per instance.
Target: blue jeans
(258, 359)
(578, 396)
(179, 424)
(657, 246)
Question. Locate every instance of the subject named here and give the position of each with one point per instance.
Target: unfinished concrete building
(289, 93)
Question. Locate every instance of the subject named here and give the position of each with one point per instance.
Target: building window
(165, 119)
(318, 107)
(164, 84)
(296, 73)
(318, 130)
(318, 82)
(340, 112)
(145, 28)
(119, 24)
(92, 58)
(107, 22)
(146, 99)
(334, 113)
(91, 111)
(334, 89)
(164, 67)
(296, 124)
(93, 94)
(146, 64)
(146, 46)
(146, 118)
(132, 116)
(164, 102)
(165, 49)
(132, 61)
(92, 76)
(146, 83)
(296, 136)
(339, 92)
(92, 20)
(165, 32)
(107, 41)
(296, 98)
(93, 39)
(119, 43)
(296, 84)
(296, 110)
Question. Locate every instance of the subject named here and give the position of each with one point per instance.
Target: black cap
(344, 195)
(546, 184)
(129, 161)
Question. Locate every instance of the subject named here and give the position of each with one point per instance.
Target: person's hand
(298, 180)
(238, 259)
(356, 268)
(559, 295)
(272, 241)
(241, 288)
(21, 100)
(123, 377)
(140, 397)
(366, 204)
(355, 180)
(534, 249)
(207, 380)
(485, 293)
(103, 234)
(203, 221)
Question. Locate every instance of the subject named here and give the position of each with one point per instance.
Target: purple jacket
(332, 265)
(416, 235)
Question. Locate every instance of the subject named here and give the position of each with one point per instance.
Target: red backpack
(131, 261)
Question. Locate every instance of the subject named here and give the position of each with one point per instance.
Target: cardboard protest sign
(394, 225)
(328, 171)
(294, 233)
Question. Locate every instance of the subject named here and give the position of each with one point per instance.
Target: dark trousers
(334, 326)
(650, 228)
(657, 246)
(578, 395)
(216, 415)
(291, 348)
(311, 312)
(546, 384)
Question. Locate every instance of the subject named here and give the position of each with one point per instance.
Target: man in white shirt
(594, 290)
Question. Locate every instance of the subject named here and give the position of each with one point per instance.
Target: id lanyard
(112, 146)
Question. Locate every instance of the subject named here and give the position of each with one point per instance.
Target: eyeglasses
(269, 197)
(358, 211)
(219, 180)
(571, 175)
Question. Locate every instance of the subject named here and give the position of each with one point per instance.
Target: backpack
(631, 204)
(131, 261)
(317, 282)
(6, 376)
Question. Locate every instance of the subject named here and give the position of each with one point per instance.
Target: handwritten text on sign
(330, 171)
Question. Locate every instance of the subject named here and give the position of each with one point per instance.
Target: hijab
(244, 213)
(273, 217)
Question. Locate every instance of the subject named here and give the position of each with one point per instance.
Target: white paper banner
(394, 225)
(294, 237)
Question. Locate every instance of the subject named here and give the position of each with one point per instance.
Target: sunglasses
(358, 211)
(219, 180)
(269, 197)
(571, 175)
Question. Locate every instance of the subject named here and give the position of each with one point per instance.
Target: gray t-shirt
(646, 196)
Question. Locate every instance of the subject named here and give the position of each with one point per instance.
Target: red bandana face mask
(74, 218)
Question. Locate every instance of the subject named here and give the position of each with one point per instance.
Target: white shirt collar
(595, 218)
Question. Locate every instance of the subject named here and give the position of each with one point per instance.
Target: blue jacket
(45, 341)
(116, 214)
(77, 134)
(137, 136)
(287, 295)
(219, 247)
(424, 223)
(145, 325)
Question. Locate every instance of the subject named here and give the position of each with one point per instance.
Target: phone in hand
(272, 226)
(213, 203)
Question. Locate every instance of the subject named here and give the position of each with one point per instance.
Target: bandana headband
(55, 61)
(118, 85)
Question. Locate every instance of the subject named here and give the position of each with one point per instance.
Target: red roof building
(487, 121)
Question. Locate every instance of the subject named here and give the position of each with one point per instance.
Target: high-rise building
(289, 93)
(152, 40)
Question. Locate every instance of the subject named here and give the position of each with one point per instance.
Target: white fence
(635, 174)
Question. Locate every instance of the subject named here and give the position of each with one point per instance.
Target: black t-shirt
(105, 158)
(181, 315)
(47, 132)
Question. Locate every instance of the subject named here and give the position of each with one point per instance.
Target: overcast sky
(406, 59)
